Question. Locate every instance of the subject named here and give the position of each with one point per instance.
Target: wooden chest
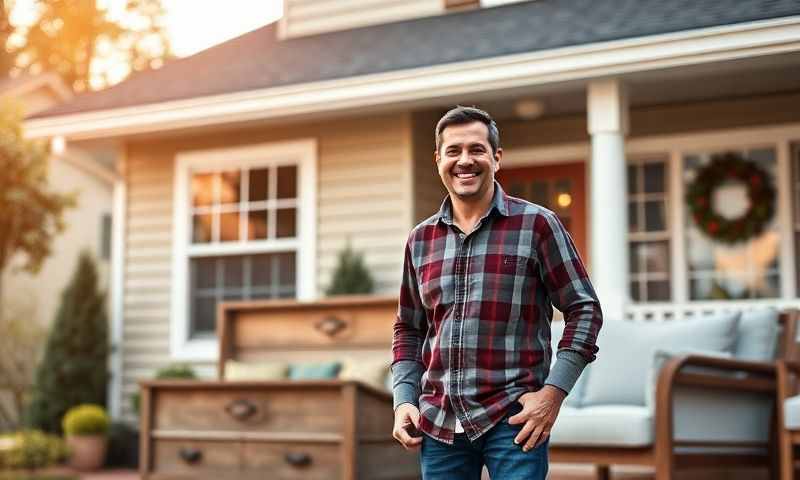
(280, 429)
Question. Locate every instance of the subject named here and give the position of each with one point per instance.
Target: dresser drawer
(248, 410)
(195, 458)
(292, 460)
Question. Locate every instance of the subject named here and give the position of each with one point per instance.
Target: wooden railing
(657, 312)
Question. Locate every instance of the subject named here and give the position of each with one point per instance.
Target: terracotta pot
(87, 452)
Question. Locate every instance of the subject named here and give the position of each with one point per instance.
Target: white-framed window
(649, 229)
(743, 271)
(244, 229)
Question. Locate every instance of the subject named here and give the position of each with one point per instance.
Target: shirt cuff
(566, 370)
(406, 376)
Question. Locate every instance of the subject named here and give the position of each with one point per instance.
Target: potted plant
(86, 429)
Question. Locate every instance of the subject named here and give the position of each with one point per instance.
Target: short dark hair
(462, 115)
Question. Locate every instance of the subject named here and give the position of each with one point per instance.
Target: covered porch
(615, 158)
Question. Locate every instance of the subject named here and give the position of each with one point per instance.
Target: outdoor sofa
(677, 394)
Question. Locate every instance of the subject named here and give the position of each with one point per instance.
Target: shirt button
(461, 235)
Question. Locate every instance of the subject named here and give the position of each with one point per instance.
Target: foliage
(726, 167)
(31, 215)
(31, 449)
(351, 275)
(74, 369)
(20, 341)
(86, 419)
(178, 371)
(85, 44)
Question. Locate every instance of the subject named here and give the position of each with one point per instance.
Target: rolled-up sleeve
(409, 334)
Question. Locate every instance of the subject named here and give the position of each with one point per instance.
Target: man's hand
(406, 425)
(539, 412)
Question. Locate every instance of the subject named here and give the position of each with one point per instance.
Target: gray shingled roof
(259, 60)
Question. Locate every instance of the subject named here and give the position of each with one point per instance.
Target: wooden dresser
(280, 429)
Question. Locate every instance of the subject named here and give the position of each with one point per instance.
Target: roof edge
(581, 62)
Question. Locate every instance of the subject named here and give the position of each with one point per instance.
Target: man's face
(465, 161)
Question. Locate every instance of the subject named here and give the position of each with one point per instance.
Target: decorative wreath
(760, 191)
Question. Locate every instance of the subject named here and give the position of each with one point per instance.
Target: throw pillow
(314, 371)
(758, 335)
(235, 370)
(370, 371)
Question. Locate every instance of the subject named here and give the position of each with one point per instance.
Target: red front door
(560, 188)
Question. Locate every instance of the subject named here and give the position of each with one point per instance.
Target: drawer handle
(241, 409)
(331, 325)
(297, 459)
(190, 455)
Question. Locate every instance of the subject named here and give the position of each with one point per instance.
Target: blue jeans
(504, 460)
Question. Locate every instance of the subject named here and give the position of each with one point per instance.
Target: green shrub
(86, 420)
(178, 371)
(31, 449)
(351, 275)
(73, 370)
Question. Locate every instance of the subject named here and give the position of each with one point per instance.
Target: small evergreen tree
(74, 368)
(351, 275)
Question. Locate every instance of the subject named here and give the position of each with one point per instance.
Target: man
(471, 372)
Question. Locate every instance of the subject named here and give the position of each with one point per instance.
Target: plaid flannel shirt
(472, 331)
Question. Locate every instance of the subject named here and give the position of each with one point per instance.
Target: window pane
(650, 257)
(201, 228)
(230, 187)
(233, 271)
(654, 177)
(261, 268)
(286, 269)
(633, 216)
(202, 189)
(635, 295)
(658, 291)
(633, 179)
(203, 313)
(257, 224)
(287, 182)
(204, 273)
(286, 222)
(229, 227)
(655, 216)
(259, 180)
(236, 277)
(540, 193)
(744, 269)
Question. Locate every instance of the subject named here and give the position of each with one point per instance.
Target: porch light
(529, 109)
(564, 200)
(58, 145)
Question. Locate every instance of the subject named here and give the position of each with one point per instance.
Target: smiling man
(472, 381)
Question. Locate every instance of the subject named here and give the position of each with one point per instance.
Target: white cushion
(757, 338)
(791, 408)
(606, 425)
(575, 395)
(626, 349)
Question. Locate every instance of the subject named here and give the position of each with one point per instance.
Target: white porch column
(608, 124)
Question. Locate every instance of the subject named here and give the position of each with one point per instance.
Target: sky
(194, 25)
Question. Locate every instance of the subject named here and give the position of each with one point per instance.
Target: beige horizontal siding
(363, 196)
(305, 17)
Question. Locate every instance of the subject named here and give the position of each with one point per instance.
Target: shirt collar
(499, 203)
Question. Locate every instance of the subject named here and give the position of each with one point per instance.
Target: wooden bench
(280, 429)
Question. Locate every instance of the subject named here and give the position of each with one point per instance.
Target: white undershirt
(459, 428)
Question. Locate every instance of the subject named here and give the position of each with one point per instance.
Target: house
(88, 225)
(241, 171)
